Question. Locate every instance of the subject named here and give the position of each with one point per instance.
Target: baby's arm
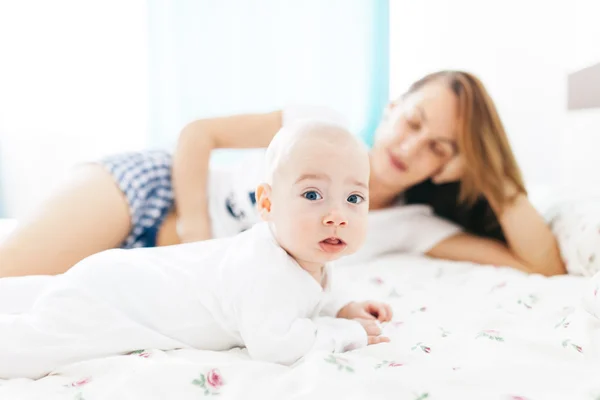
(342, 303)
(273, 327)
(368, 313)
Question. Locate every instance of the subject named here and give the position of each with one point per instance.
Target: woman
(440, 147)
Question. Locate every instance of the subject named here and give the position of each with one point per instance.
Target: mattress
(460, 331)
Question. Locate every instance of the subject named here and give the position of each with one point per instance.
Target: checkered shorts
(145, 179)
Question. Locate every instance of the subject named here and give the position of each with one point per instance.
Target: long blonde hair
(488, 155)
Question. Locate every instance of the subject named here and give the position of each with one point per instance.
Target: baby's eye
(312, 195)
(355, 199)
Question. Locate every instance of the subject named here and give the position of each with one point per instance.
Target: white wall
(522, 50)
(73, 87)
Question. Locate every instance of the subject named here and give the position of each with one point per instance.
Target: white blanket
(459, 332)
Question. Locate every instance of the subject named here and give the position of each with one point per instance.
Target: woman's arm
(191, 163)
(531, 245)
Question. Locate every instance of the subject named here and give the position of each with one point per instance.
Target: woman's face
(417, 139)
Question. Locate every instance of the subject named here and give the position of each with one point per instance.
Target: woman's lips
(398, 164)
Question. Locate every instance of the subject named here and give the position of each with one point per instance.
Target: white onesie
(214, 295)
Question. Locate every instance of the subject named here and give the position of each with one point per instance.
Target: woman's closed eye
(442, 150)
(355, 199)
(312, 195)
(413, 124)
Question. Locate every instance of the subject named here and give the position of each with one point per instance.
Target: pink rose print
(211, 382)
(498, 286)
(214, 378)
(518, 398)
(563, 323)
(378, 281)
(140, 353)
(80, 383)
(568, 343)
(388, 364)
(422, 347)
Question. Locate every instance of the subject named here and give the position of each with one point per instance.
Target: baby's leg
(67, 325)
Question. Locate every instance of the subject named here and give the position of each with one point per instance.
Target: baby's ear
(263, 200)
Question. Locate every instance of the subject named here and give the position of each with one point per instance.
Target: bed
(460, 331)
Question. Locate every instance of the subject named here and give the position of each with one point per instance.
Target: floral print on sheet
(491, 334)
(567, 343)
(447, 331)
(211, 382)
(342, 363)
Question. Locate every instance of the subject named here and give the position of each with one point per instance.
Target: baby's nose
(335, 218)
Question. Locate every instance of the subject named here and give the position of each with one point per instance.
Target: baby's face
(319, 200)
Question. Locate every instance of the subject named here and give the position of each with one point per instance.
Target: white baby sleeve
(271, 317)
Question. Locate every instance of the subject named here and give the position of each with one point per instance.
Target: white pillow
(576, 225)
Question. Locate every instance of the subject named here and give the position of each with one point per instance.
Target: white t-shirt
(402, 228)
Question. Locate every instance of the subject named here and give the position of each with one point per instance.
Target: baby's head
(316, 195)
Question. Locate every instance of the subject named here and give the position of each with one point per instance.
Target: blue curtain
(217, 57)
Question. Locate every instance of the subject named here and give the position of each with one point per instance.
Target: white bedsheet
(459, 332)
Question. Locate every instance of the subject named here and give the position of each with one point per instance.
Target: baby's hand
(373, 331)
(366, 310)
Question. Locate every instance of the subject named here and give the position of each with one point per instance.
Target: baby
(269, 289)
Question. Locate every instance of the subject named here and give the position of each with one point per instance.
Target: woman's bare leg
(88, 214)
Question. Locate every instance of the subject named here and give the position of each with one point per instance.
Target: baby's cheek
(359, 232)
(297, 229)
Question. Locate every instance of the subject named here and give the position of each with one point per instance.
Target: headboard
(584, 88)
(579, 161)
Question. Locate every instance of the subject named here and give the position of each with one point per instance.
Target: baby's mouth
(332, 245)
